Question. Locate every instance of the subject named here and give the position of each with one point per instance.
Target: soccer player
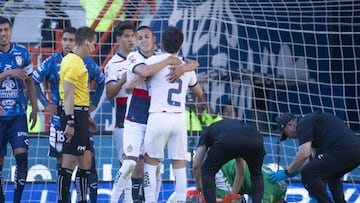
(49, 72)
(115, 78)
(137, 114)
(167, 118)
(74, 93)
(15, 71)
(225, 140)
(227, 182)
(328, 149)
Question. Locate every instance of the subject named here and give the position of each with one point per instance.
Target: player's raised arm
(178, 71)
(148, 70)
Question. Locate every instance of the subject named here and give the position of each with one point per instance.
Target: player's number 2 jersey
(160, 87)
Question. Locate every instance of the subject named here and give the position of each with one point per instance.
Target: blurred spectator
(94, 7)
(206, 113)
(2, 3)
(225, 107)
(202, 114)
(55, 19)
(228, 111)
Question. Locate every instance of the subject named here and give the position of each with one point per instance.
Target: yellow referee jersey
(73, 70)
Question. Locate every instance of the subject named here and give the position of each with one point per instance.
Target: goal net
(261, 58)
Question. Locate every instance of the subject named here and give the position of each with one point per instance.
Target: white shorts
(133, 139)
(166, 129)
(118, 138)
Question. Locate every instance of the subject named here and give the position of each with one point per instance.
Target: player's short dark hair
(122, 26)
(70, 30)
(84, 33)
(143, 27)
(172, 39)
(4, 20)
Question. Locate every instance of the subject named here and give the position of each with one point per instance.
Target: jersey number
(174, 91)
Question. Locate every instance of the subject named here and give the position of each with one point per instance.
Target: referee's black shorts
(80, 141)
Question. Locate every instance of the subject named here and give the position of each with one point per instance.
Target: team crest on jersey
(132, 59)
(19, 60)
(59, 146)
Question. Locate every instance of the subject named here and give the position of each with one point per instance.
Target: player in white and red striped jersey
(115, 78)
(167, 118)
(135, 118)
(137, 115)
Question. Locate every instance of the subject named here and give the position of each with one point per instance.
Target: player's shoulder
(89, 60)
(134, 54)
(16, 48)
(19, 46)
(90, 63)
(115, 60)
(309, 119)
(54, 58)
(118, 58)
(156, 58)
(136, 57)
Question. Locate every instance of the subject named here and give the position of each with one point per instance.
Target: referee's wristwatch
(70, 117)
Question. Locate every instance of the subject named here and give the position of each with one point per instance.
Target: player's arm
(99, 88)
(14, 73)
(196, 167)
(30, 86)
(178, 71)
(198, 91)
(239, 175)
(302, 155)
(52, 108)
(95, 74)
(148, 70)
(113, 87)
(40, 95)
(69, 90)
(133, 82)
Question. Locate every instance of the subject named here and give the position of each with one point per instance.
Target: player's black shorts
(80, 141)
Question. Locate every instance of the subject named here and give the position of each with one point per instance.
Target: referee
(332, 148)
(223, 141)
(75, 96)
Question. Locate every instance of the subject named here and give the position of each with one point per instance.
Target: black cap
(281, 123)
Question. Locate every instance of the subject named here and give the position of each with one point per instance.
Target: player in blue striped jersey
(49, 72)
(15, 71)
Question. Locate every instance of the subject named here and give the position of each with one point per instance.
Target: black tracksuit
(338, 152)
(226, 140)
